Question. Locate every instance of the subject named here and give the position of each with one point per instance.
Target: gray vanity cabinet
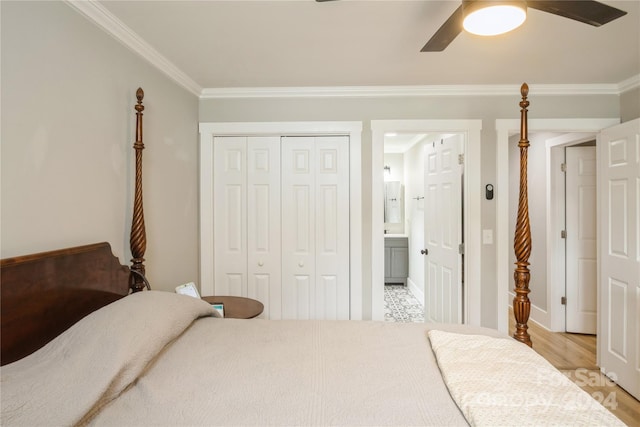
(396, 259)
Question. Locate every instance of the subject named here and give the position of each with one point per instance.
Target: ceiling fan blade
(446, 33)
(588, 11)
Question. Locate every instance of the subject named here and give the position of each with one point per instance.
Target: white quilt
(522, 389)
(160, 359)
(150, 359)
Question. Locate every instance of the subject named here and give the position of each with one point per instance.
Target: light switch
(487, 237)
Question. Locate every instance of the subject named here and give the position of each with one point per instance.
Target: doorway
(470, 132)
(570, 130)
(553, 258)
(423, 225)
(571, 232)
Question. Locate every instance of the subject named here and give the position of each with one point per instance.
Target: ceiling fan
(587, 11)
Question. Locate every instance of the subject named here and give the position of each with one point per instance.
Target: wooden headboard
(42, 295)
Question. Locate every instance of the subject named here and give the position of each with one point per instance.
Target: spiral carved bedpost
(138, 239)
(522, 239)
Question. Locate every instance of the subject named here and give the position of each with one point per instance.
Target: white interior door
(263, 223)
(619, 254)
(443, 231)
(230, 216)
(315, 227)
(581, 271)
(298, 227)
(332, 227)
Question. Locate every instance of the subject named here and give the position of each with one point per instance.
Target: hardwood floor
(575, 356)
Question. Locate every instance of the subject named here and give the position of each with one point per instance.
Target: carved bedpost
(522, 239)
(138, 239)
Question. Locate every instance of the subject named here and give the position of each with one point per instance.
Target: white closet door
(315, 227)
(263, 223)
(298, 231)
(332, 227)
(230, 215)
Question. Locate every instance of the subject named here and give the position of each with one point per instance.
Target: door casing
(471, 130)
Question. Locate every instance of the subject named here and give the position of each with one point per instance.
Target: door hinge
(563, 234)
(563, 300)
(461, 159)
(563, 167)
(461, 248)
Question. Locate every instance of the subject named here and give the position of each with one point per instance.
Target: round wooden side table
(237, 307)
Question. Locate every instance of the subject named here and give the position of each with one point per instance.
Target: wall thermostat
(489, 191)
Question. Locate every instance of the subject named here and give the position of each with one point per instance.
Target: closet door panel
(332, 227)
(230, 216)
(263, 223)
(298, 227)
(281, 224)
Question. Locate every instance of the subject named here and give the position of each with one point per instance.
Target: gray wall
(486, 108)
(630, 105)
(68, 126)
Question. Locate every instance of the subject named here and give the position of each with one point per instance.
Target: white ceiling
(302, 43)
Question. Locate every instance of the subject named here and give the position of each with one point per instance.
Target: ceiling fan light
(492, 18)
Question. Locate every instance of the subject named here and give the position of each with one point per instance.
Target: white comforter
(157, 358)
(118, 367)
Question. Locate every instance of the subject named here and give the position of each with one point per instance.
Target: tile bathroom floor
(400, 305)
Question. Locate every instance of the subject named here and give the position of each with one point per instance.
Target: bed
(83, 343)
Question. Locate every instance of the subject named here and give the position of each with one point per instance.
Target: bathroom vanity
(396, 258)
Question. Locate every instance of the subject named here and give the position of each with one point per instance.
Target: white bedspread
(290, 373)
(151, 359)
(523, 389)
(157, 358)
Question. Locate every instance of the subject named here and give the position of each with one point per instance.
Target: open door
(581, 250)
(443, 231)
(619, 254)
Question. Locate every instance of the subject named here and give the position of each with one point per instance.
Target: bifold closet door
(263, 224)
(315, 227)
(247, 219)
(230, 215)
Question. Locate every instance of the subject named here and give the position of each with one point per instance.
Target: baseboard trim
(416, 291)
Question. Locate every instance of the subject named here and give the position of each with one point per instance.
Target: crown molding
(629, 84)
(99, 15)
(409, 91)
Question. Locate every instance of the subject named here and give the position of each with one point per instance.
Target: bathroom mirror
(392, 202)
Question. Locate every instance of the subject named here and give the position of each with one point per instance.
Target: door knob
(300, 264)
(260, 263)
(424, 251)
